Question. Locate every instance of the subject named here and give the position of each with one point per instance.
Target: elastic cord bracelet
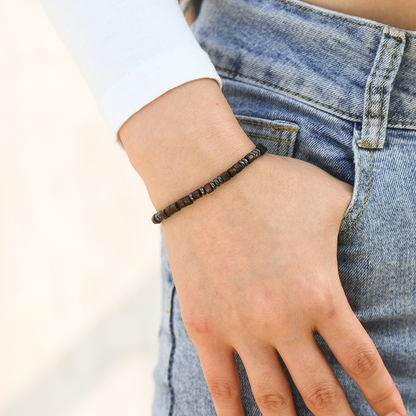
(210, 186)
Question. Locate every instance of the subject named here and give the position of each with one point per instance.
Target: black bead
(156, 219)
(263, 149)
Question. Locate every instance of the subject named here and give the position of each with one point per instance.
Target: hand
(255, 268)
(254, 262)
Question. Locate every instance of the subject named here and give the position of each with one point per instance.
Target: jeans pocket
(278, 136)
(364, 163)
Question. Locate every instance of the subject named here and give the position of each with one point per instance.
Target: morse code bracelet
(210, 186)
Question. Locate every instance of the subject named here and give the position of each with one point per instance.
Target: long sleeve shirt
(129, 51)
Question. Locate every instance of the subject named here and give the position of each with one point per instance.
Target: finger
(314, 378)
(221, 375)
(360, 359)
(268, 382)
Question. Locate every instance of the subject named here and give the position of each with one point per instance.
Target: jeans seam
(270, 138)
(266, 125)
(402, 122)
(171, 356)
(356, 194)
(366, 197)
(371, 90)
(382, 90)
(355, 117)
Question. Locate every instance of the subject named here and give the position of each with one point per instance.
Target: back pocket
(278, 136)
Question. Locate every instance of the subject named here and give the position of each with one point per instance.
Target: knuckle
(363, 364)
(223, 391)
(198, 325)
(273, 402)
(389, 397)
(324, 398)
(385, 398)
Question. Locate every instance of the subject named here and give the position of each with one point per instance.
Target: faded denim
(338, 92)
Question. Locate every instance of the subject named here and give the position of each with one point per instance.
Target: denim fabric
(338, 92)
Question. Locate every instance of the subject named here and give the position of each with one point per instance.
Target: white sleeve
(129, 51)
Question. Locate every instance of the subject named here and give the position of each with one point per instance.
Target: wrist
(210, 186)
(183, 139)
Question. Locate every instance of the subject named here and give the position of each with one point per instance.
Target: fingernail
(394, 414)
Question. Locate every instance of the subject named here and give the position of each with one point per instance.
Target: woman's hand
(255, 267)
(255, 262)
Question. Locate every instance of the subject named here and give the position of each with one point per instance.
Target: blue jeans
(338, 92)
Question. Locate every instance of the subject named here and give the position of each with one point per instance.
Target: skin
(255, 267)
(397, 13)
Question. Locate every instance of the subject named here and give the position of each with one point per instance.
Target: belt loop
(379, 86)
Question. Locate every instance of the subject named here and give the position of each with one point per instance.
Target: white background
(79, 257)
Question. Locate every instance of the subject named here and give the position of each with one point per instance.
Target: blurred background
(79, 256)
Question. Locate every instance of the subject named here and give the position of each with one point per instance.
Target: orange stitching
(288, 147)
(371, 91)
(306, 98)
(398, 38)
(366, 197)
(402, 122)
(266, 125)
(382, 91)
(286, 90)
(366, 146)
(270, 138)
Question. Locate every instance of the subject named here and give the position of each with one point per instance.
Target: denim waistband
(352, 67)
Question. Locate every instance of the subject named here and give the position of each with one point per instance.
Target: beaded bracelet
(210, 186)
